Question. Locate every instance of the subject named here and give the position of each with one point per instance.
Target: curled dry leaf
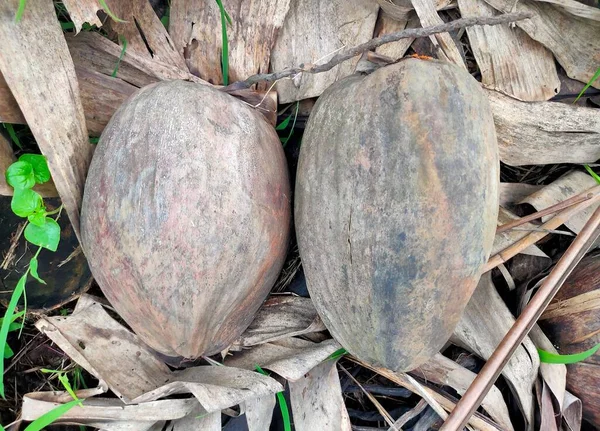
(545, 132)
(291, 358)
(572, 412)
(144, 32)
(104, 412)
(39, 71)
(324, 28)
(281, 317)
(509, 60)
(110, 352)
(82, 11)
(511, 193)
(444, 371)
(447, 49)
(554, 375)
(259, 412)
(92, 51)
(317, 401)
(195, 26)
(572, 40)
(563, 188)
(577, 8)
(483, 325)
(401, 10)
(548, 417)
(386, 24)
(101, 96)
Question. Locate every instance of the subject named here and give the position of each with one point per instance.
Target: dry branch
(377, 42)
(532, 238)
(550, 210)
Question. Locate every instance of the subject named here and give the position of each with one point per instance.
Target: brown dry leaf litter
(195, 26)
(510, 61)
(35, 61)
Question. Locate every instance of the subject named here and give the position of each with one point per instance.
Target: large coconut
(396, 207)
(186, 216)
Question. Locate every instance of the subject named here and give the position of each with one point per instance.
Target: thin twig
(375, 43)
(14, 242)
(588, 194)
(534, 237)
(530, 315)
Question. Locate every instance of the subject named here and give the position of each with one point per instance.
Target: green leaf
(26, 202)
(589, 84)
(285, 413)
(108, 11)
(20, 175)
(123, 49)
(8, 352)
(20, 10)
(553, 358)
(47, 236)
(285, 140)
(38, 218)
(284, 123)
(40, 167)
(8, 318)
(67, 385)
(338, 354)
(47, 418)
(592, 173)
(94, 140)
(33, 269)
(225, 50)
(13, 135)
(67, 25)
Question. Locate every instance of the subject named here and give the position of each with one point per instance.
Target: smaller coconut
(186, 216)
(572, 322)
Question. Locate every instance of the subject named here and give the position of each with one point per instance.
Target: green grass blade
(124, 42)
(592, 173)
(67, 385)
(225, 50)
(553, 358)
(285, 412)
(20, 10)
(588, 85)
(338, 354)
(108, 11)
(13, 135)
(10, 311)
(285, 141)
(47, 418)
(284, 123)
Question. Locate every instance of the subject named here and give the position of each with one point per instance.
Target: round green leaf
(26, 202)
(40, 166)
(47, 236)
(38, 218)
(20, 175)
